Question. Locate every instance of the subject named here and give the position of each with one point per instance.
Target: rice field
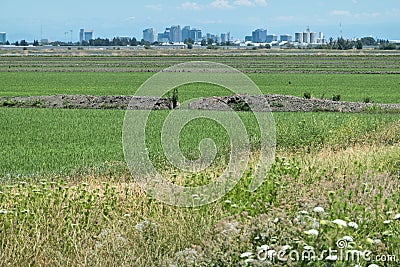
(67, 197)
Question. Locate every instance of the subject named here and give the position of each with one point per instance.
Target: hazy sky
(51, 19)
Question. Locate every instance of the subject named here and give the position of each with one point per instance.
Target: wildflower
(315, 224)
(373, 265)
(369, 240)
(228, 201)
(319, 210)
(387, 222)
(312, 232)
(348, 238)
(376, 241)
(246, 254)
(397, 217)
(3, 211)
(353, 225)
(323, 222)
(276, 220)
(303, 212)
(127, 215)
(387, 233)
(340, 222)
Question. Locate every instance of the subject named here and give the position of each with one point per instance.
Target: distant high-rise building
(86, 35)
(175, 35)
(150, 35)
(272, 38)
(225, 37)
(321, 38)
(259, 36)
(286, 38)
(248, 38)
(298, 37)
(3, 37)
(196, 35)
(186, 33)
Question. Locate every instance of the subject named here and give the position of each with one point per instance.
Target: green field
(67, 197)
(381, 88)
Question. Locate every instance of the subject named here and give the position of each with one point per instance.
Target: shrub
(367, 99)
(307, 95)
(336, 98)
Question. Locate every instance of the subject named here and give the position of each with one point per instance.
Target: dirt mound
(275, 103)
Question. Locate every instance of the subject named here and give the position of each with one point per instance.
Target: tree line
(338, 44)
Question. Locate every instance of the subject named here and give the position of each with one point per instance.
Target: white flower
(348, 238)
(3, 211)
(303, 212)
(276, 220)
(373, 265)
(127, 215)
(319, 210)
(246, 254)
(228, 201)
(315, 224)
(340, 222)
(387, 222)
(353, 225)
(396, 217)
(376, 241)
(312, 232)
(332, 258)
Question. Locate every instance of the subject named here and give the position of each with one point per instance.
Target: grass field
(380, 88)
(46, 141)
(68, 199)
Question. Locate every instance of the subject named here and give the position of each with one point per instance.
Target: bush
(307, 95)
(336, 98)
(367, 99)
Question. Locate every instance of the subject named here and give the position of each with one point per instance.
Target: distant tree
(7, 43)
(23, 43)
(203, 42)
(190, 46)
(189, 41)
(35, 43)
(387, 46)
(16, 43)
(359, 45)
(133, 42)
(368, 41)
(210, 41)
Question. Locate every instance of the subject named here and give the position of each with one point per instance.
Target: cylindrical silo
(313, 37)
(307, 37)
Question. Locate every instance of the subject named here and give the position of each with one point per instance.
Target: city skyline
(350, 18)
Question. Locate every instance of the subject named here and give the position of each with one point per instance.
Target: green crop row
(47, 141)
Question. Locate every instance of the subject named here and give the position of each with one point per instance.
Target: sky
(33, 20)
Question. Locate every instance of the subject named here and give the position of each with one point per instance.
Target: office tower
(259, 36)
(150, 35)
